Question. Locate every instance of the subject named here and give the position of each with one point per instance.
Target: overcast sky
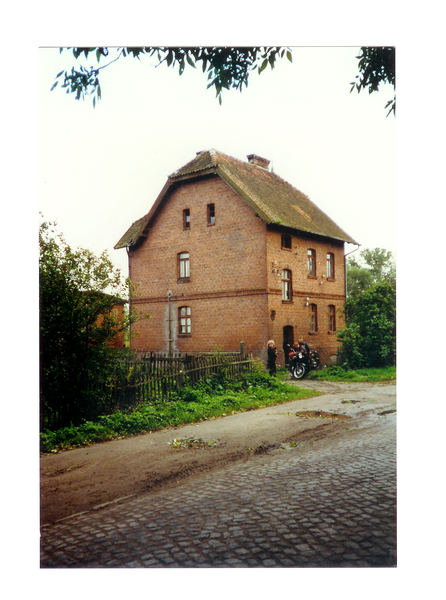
(101, 169)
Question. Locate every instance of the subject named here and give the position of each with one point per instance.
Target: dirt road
(86, 478)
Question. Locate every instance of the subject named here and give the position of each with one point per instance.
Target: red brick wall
(319, 290)
(235, 280)
(228, 278)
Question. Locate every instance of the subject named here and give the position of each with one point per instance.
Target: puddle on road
(320, 414)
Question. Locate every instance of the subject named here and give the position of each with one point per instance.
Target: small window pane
(211, 214)
(311, 257)
(186, 218)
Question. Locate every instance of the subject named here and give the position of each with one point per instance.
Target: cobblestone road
(329, 503)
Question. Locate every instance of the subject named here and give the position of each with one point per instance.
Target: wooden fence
(156, 377)
(144, 377)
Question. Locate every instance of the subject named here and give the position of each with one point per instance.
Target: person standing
(272, 355)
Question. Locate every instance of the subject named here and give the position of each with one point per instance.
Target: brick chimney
(263, 163)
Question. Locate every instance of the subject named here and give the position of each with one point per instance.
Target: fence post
(242, 348)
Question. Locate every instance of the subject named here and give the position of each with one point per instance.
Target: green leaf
(263, 66)
(289, 56)
(190, 61)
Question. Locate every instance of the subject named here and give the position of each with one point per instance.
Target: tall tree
(376, 66)
(373, 266)
(78, 294)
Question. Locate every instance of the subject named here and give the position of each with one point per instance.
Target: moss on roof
(270, 196)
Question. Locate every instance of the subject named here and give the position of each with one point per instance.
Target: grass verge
(216, 397)
(362, 375)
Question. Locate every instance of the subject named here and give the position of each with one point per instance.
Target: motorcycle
(298, 366)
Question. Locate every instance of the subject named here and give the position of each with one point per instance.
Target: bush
(369, 337)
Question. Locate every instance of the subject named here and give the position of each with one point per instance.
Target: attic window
(286, 242)
(211, 214)
(186, 218)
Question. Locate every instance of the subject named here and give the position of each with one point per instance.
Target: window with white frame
(330, 265)
(311, 262)
(184, 320)
(287, 290)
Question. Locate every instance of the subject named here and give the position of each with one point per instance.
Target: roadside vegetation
(209, 399)
(362, 375)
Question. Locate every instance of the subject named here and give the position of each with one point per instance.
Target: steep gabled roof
(270, 196)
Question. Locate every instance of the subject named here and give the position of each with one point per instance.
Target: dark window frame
(286, 239)
(331, 318)
(186, 218)
(183, 266)
(311, 263)
(313, 318)
(211, 214)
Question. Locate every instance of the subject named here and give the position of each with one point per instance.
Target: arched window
(330, 266)
(287, 290)
(331, 317)
(183, 265)
(184, 320)
(313, 317)
(311, 261)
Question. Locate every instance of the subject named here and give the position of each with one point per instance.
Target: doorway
(288, 340)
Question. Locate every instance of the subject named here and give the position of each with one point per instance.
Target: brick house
(231, 252)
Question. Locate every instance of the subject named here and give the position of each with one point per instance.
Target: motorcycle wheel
(299, 371)
(315, 363)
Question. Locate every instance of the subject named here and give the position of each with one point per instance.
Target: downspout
(130, 299)
(169, 340)
(345, 266)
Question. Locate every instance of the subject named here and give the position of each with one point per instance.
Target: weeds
(214, 397)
